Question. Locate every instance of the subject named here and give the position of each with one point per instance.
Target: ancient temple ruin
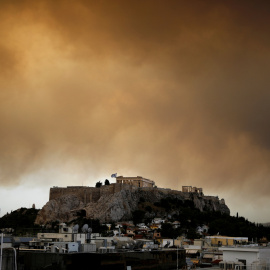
(137, 181)
(192, 189)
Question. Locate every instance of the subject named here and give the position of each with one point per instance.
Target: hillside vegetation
(171, 209)
(21, 221)
(190, 217)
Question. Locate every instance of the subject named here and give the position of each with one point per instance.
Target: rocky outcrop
(119, 205)
(59, 210)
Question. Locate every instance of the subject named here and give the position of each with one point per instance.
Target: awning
(208, 256)
(191, 251)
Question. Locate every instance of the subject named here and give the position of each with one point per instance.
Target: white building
(65, 234)
(158, 220)
(64, 247)
(251, 256)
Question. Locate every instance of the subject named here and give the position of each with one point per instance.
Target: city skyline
(176, 92)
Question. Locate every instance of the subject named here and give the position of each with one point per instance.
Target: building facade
(219, 240)
(250, 256)
(137, 181)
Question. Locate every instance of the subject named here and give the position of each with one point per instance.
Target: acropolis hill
(118, 200)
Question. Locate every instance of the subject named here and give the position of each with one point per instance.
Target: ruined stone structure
(137, 181)
(117, 201)
(87, 194)
(192, 189)
(92, 194)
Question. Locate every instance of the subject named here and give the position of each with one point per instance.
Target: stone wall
(88, 194)
(85, 194)
(93, 194)
(115, 202)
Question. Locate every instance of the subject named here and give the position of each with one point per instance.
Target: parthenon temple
(137, 181)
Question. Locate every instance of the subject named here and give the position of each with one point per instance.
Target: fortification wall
(93, 194)
(211, 198)
(85, 194)
(88, 194)
(116, 202)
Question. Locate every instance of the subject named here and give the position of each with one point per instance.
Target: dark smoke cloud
(176, 92)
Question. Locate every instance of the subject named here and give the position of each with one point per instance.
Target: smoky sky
(177, 92)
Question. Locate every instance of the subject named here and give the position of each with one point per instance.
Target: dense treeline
(21, 221)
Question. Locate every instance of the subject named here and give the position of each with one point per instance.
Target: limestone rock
(119, 204)
(59, 210)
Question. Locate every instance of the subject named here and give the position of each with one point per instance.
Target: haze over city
(175, 91)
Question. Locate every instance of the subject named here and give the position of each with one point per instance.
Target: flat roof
(245, 248)
(226, 237)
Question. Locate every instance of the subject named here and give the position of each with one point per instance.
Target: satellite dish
(75, 229)
(85, 228)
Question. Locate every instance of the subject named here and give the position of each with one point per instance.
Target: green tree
(98, 184)
(138, 216)
(167, 230)
(148, 209)
(192, 234)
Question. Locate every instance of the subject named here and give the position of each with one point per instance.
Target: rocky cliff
(119, 205)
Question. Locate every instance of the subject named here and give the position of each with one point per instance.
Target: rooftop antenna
(88, 235)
